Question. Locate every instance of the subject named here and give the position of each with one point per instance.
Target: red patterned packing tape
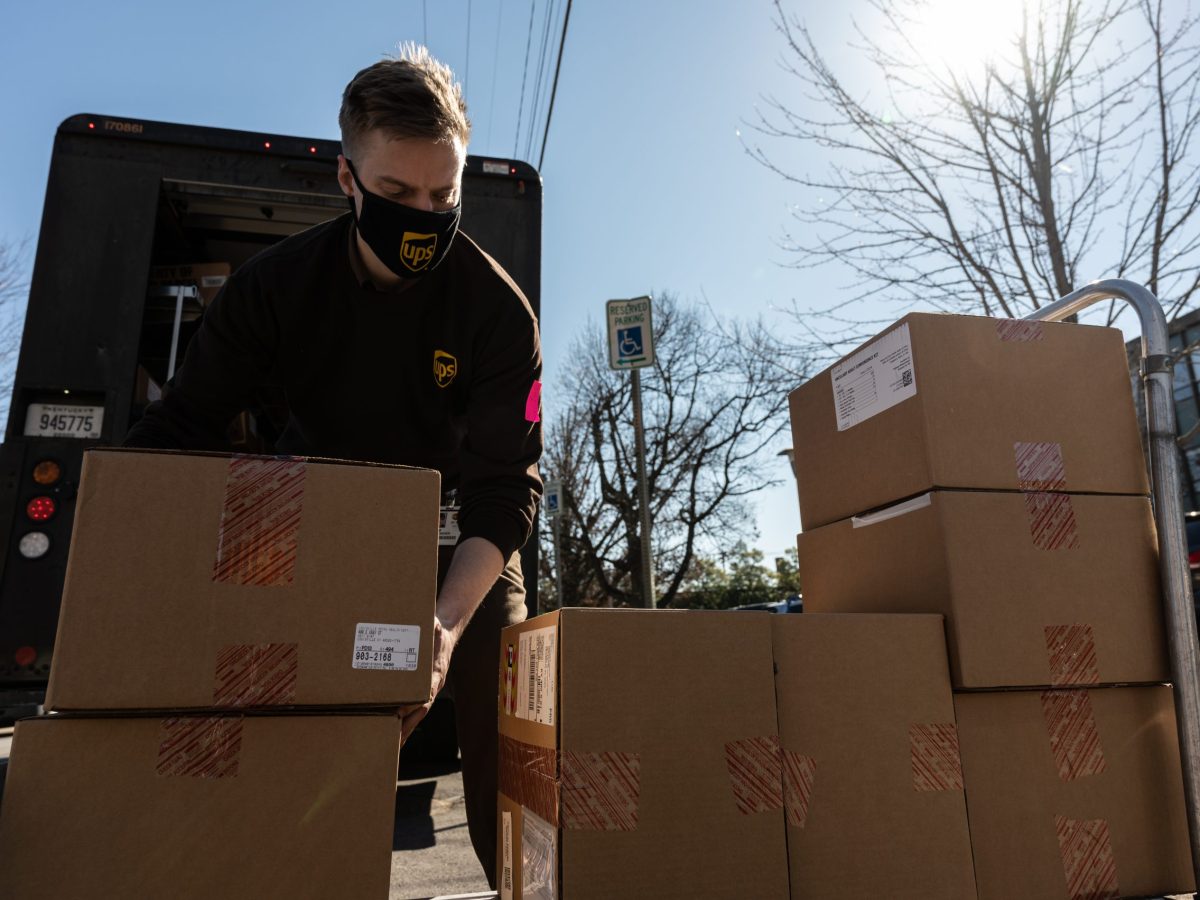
(1019, 330)
(756, 773)
(1052, 521)
(1087, 858)
(260, 521)
(1040, 466)
(936, 762)
(1074, 737)
(256, 675)
(1072, 653)
(799, 775)
(200, 747)
(600, 791)
(528, 777)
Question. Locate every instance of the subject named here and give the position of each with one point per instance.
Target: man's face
(417, 172)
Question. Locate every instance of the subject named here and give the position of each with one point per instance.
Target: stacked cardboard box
(699, 755)
(235, 639)
(991, 471)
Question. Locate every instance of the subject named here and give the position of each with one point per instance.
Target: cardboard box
(209, 581)
(942, 401)
(209, 278)
(232, 807)
(1037, 588)
(872, 775)
(1074, 793)
(639, 757)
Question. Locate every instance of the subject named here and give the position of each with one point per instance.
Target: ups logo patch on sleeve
(445, 367)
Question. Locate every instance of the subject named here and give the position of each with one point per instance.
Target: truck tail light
(25, 656)
(34, 545)
(47, 472)
(40, 509)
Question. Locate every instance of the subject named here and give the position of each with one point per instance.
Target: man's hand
(476, 565)
(444, 641)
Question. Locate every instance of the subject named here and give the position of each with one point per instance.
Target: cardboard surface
(209, 278)
(1097, 812)
(976, 389)
(865, 707)
(300, 807)
(1077, 603)
(641, 801)
(205, 581)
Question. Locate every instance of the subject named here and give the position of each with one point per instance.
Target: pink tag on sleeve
(533, 403)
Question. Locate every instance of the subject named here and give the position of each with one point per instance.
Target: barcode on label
(538, 662)
(906, 377)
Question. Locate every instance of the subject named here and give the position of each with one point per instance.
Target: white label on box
(892, 512)
(876, 378)
(391, 648)
(448, 530)
(506, 877)
(539, 863)
(537, 667)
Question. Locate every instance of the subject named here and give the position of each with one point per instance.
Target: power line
(467, 68)
(541, 78)
(424, 23)
(554, 88)
(495, 62)
(524, 75)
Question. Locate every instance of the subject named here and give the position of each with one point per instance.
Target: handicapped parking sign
(630, 334)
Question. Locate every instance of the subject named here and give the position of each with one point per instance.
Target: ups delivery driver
(395, 339)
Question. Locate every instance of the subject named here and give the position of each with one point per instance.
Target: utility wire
(541, 77)
(554, 88)
(467, 68)
(495, 62)
(524, 75)
(425, 22)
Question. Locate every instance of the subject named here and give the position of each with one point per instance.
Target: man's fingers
(410, 721)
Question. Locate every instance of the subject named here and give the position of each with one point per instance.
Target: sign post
(631, 346)
(552, 501)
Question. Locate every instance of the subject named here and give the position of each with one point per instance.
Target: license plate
(59, 420)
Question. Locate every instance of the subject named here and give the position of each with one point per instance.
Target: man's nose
(424, 202)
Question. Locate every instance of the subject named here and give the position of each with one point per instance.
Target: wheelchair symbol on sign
(629, 341)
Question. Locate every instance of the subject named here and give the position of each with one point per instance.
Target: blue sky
(647, 185)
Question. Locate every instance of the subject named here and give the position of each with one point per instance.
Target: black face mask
(410, 242)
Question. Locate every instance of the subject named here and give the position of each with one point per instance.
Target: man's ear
(345, 179)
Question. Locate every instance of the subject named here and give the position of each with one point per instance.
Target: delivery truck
(142, 222)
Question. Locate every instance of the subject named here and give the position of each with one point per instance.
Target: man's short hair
(411, 95)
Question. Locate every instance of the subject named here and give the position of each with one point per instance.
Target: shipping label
(506, 876)
(539, 858)
(448, 530)
(874, 379)
(386, 647)
(537, 668)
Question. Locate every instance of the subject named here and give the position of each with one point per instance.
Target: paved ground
(431, 849)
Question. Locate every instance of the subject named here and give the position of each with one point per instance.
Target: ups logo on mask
(416, 250)
(445, 367)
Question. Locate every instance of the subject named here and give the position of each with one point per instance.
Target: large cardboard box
(234, 807)
(871, 770)
(966, 402)
(1074, 793)
(1037, 588)
(209, 581)
(639, 757)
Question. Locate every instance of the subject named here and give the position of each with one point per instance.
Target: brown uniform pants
(474, 685)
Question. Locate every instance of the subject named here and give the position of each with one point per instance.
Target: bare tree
(1071, 156)
(710, 407)
(14, 288)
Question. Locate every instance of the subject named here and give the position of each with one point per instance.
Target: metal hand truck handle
(1168, 515)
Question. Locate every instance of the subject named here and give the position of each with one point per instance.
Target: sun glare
(964, 35)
